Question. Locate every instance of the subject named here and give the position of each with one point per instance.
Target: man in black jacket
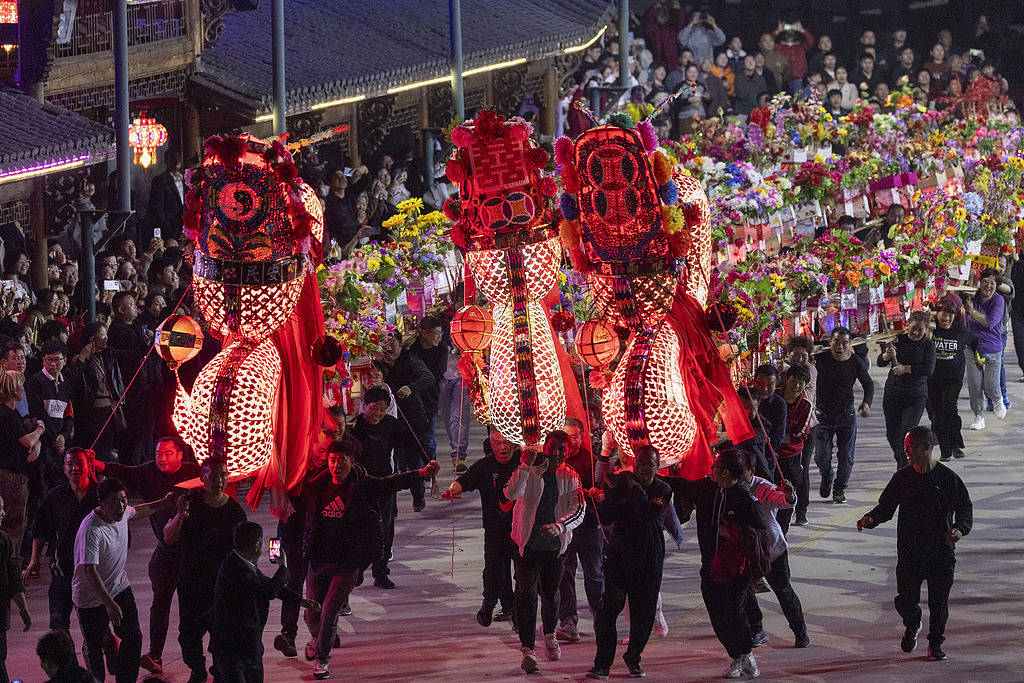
(96, 386)
(133, 342)
(416, 390)
(166, 198)
(241, 603)
(935, 512)
(634, 503)
(343, 536)
(49, 399)
(489, 476)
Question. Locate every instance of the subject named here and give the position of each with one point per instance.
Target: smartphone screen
(274, 550)
(156, 233)
(112, 285)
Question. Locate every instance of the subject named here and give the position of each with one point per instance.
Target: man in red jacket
(794, 41)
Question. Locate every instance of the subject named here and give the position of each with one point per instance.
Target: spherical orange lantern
(596, 343)
(471, 329)
(178, 339)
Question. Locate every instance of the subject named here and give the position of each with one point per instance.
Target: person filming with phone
(241, 603)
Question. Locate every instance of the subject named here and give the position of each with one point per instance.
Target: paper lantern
(596, 343)
(472, 328)
(178, 339)
(145, 135)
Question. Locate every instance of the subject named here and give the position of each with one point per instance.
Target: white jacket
(525, 487)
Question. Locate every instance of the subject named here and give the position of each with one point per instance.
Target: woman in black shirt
(19, 448)
(912, 361)
(951, 341)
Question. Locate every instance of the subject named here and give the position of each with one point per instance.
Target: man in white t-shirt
(100, 588)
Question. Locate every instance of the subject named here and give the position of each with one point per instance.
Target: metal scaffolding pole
(277, 46)
(121, 106)
(455, 58)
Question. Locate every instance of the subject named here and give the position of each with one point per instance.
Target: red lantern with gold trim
(597, 343)
(472, 328)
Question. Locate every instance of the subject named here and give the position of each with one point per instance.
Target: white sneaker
(529, 663)
(749, 666)
(660, 625)
(979, 421)
(1001, 410)
(552, 647)
(735, 669)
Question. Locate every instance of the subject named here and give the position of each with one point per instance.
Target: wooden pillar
(40, 255)
(353, 136)
(550, 111)
(192, 145)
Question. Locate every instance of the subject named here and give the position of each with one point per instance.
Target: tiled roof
(341, 48)
(35, 134)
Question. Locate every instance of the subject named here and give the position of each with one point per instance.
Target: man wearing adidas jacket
(548, 506)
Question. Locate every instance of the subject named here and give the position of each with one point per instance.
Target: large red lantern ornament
(670, 387)
(597, 343)
(145, 136)
(472, 329)
(178, 339)
(506, 226)
(256, 404)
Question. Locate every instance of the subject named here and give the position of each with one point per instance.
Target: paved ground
(425, 630)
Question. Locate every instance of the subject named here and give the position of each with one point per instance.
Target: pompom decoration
(570, 179)
(721, 316)
(537, 156)
(455, 172)
(569, 231)
(622, 120)
(462, 136)
(563, 151)
(691, 211)
(662, 169)
(570, 209)
(597, 343)
(228, 149)
(452, 209)
(472, 328)
(669, 193)
(327, 351)
(648, 135)
(563, 321)
(547, 187)
(519, 132)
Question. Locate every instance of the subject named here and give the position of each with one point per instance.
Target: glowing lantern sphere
(471, 329)
(178, 339)
(596, 343)
(145, 135)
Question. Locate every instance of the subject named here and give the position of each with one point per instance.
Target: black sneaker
(198, 676)
(418, 507)
(801, 520)
(825, 488)
(758, 639)
(909, 642)
(935, 652)
(460, 467)
(383, 582)
(945, 458)
(285, 645)
(802, 640)
(485, 615)
(839, 497)
(636, 670)
(959, 454)
(598, 674)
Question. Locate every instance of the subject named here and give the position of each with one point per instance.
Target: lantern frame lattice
(472, 329)
(145, 136)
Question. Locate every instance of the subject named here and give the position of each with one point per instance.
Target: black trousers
(725, 603)
(778, 579)
(233, 669)
(411, 458)
(388, 510)
(290, 533)
(803, 484)
(640, 584)
(793, 471)
(196, 609)
(60, 601)
(903, 410)
(537, 571)
(944, 415)
(164, 571)
(910, 574)
(95, 624)
(499, 558)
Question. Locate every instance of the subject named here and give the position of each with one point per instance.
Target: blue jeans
(457, 412)
(985, 382)
(587, 545)
(843, 429)
(1002, 367)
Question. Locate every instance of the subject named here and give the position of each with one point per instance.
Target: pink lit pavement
(425, 629)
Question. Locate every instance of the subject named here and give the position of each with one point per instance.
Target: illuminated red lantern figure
(254, 223)
(178, 339)
(506, 226)
(145, 136)
(472, 328)
(670, 386)
(596, 343)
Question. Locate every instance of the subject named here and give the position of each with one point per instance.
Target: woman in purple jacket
(985, 320)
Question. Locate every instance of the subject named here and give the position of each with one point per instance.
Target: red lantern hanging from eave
(596, 343)
(472, 328)
(145, 136)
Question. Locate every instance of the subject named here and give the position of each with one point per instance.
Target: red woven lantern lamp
(596, 343)
(145, 135)
(472, 328)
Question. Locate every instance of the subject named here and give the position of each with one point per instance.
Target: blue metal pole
(121, 106)
(624, 43)
(455, 58)
(277, 19)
